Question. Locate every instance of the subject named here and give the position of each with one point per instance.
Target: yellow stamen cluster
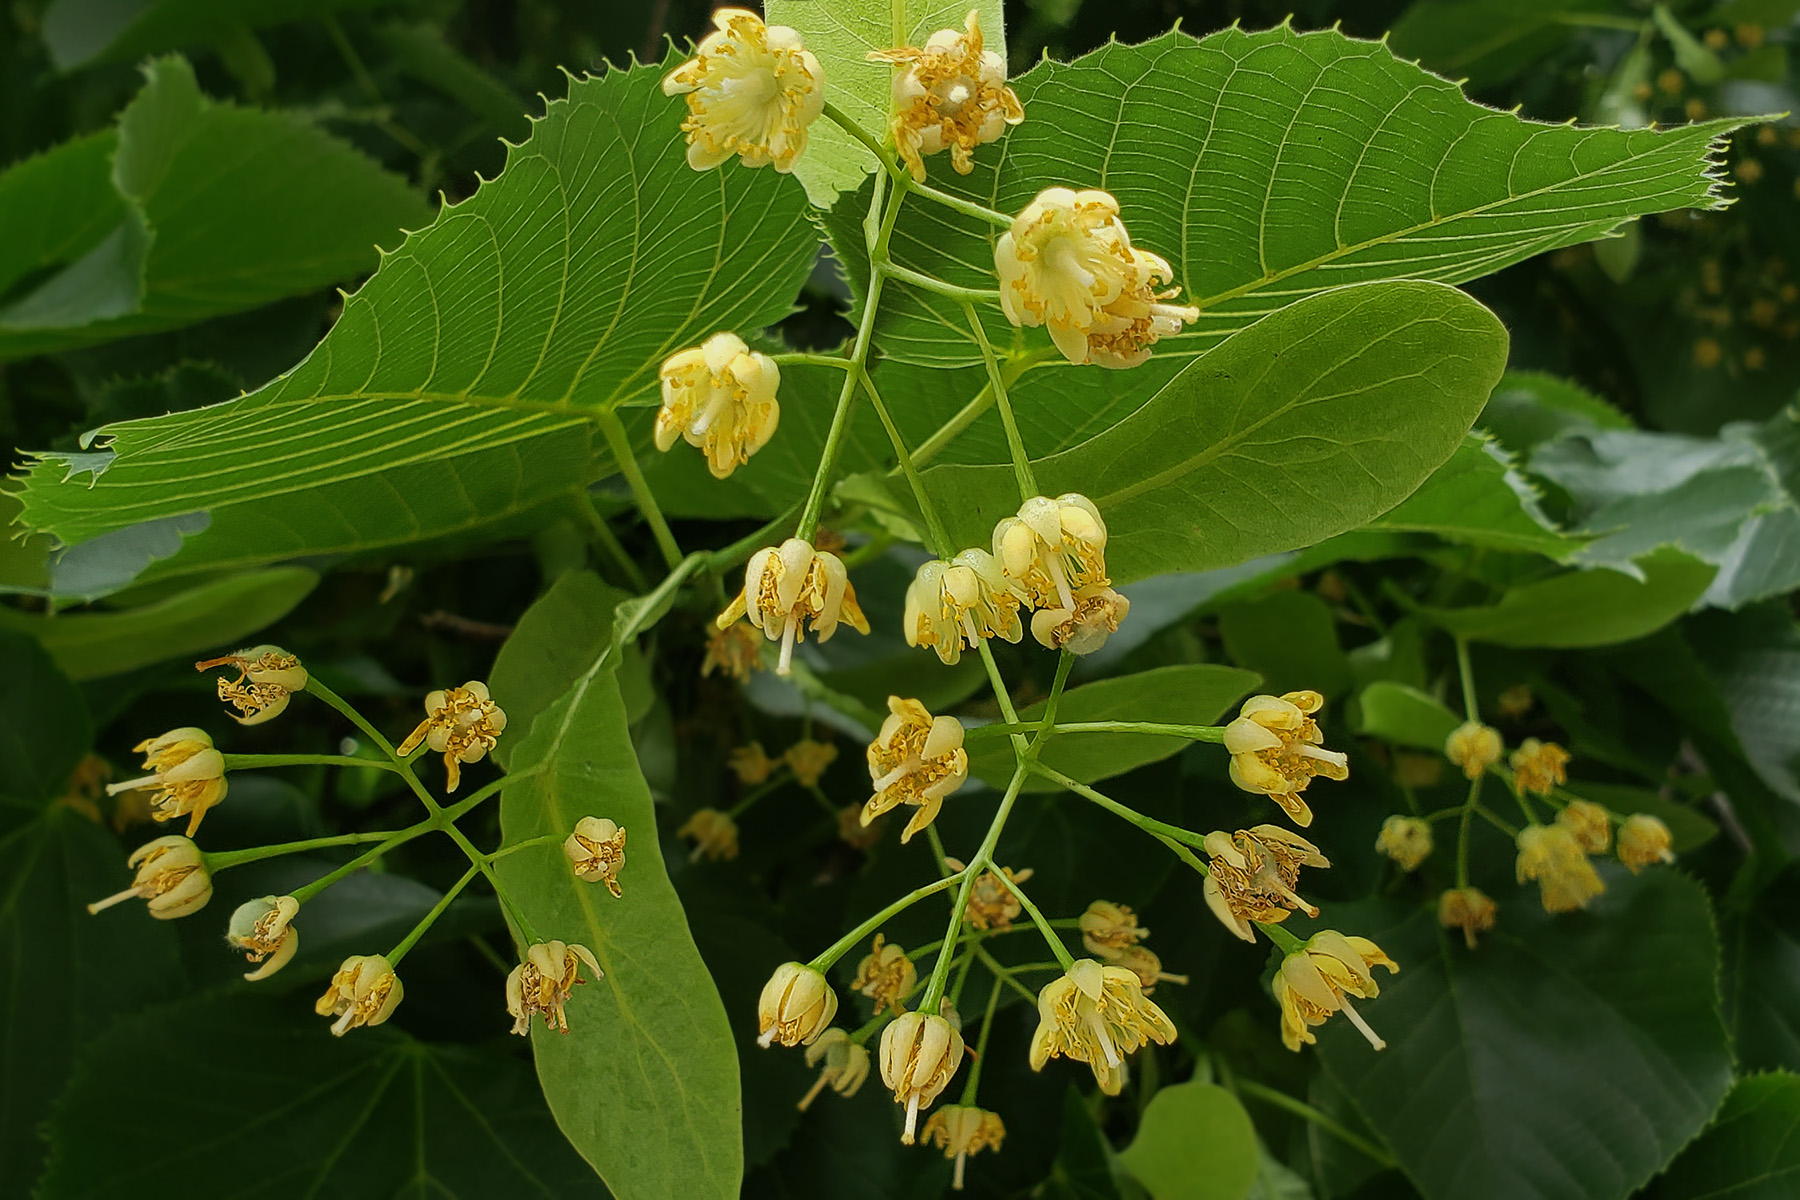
(992, 902)
(752, 90)
(462, 724)
(267, 677)
(1406, 840)
(1253, 876)
(596, 851)
(1276, 750)
(1053, 552)
(953, 605)
(790, 584)
(1539, 767)
(543, 982)
(1319, 978)
(736, 651)
(719, 397)
(916, 759)
(264, 930)
(1474, 747)
(1552, 855)
(808, 759)
(951, 96)
(187, 776)
(751, 764)
(1468, 909)
(1107, 928)
(1097, 1015)
(960, 1130)
(886, 976)
(1589, 824)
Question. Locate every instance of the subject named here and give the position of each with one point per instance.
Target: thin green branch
(429, 919)
(620, 444)
(1308, 1113)
(1021, 461)
(931, 283)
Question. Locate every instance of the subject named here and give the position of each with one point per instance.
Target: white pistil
(1363, 1026)
(912, 1117)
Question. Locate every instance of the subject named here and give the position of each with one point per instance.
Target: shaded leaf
(1479, 499)
(1404, 716)
(44, 725)
(1584, 608)
(83, 32)
(1290, 639)
(553, 644)
(1750, 1152)
(1194, 1142)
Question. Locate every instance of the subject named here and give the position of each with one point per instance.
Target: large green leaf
(453, 391)
(208, 209)
(1307, 424)
(1289, 638)
(80, 32)
(282, 1108)
(1268, 166)
(1750, 1152)
(1585, 608)
(1479, 499)
(1568, 1058)
(645, 1084)
(1754, 661)
(1194, 1142)
(552, 646)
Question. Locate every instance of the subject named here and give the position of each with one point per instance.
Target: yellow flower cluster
(1111, 933)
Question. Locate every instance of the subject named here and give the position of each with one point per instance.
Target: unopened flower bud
(543, 982)
(596, 850)
(1276, 749)
(171, 876)
(919, 1054)
(846, 1066)
(1468, 909)
(916, 759)
(1474, 747)
(365, 991)
(960, 1130)
(267, 677)
(886, 976)
(187, 780)
(1406, 840)
(460, 723)
(795, 1007)
(1644, 840)
(786, 586)
(752, 90)
(1539, 766)
(264, 930)
(1319, 978)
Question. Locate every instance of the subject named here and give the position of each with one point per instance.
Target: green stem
(904, 177)
(608, 541)
(987, 1024)
(1308, 1113)
(1468, 679)
(837, 949)
(948, 432)
(303, 894)
(1021, 462)
(931, 283)
(614, 430)
(1284, 941)
(934, 525)
(315, 688)
(226, 859)
(545, 840)
(245, 762)
(429, 919)
(1004, 974)
(797, 359)
(1198, 733)
(1462, 836)
(1043, 927)
(935, 990)
(1148, 824)
(757, 793)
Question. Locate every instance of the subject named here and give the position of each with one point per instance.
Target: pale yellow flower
(916, 759)
(1068, 264)
(796, 1006)
(1468, 909)
(596, 850)
(960, 1130)
(719, 397)
(953, 605)
(1276, 749)
(1108, 928)
(1097, 1015)
(951, 96)
(267, 677)
(1590, 825)
(789, 584)
(714, 834)
(992, 902)
(886, 976)
(1644, 840)
(751, 764)
(462, 724)
(1144, 963)
(808, 759)
(846, 1066)
(1474, 747)
(264, 930)
(1551, 855)
(187, 780)
(736, 651)
(543, 982)
(919, 1054)
(1515, 701)
(1319, 978)
(365, 991)
(171, 876)
(1052, 549)
(1406, 840)
(1084, 626)
(1253, 876)
(752, 90)
(1539, 766)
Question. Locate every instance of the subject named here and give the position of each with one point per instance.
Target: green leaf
(1194, 1142)
(1404, 716)
(1529, 408)
(1084, 1167)
(212, 616)
(1310, 423)
(197, 190)
(1568, 1058)
(842, 34)
(44, 725)
(1762, 986)
(1186, 695)
(1690, 55)
(1290, 639)
(1584, 608)
(553, 644)
(645, 1084)
(292, 1111)
(1750, 1152)
(454, 392)
(1272, 165)
(84, 32)
(1479, 499)
(1487, 41)
(58, 206)
(1754, 661)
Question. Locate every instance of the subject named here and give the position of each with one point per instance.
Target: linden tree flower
(171, 876)
(951, 96)
(462, 724)
(1319, 978)
(267, 676)
(542, 983)
(1406, 840)
(960, 1130)
(365, 991)
(1468, 909)
(264, 930)
(808, 759)
(795, 1007)
(919, 1054)
(1097, 1015)
(1068, 264)
(1147, 966)
(846, 1066)
(1539, 766)
(1515, 701)
(992, 903)
(720, 397)
(596, 849)
(188, 776)
(1108, 928)
(714, 833)
(1253, 876)
(1590, 825)
(1474, 747)
(1276, 749)
(1644, 840)
(751, 764)
(1084, 626)
(1052, 549)
(915, 759)
(786, 585)
(851, 829)
(752, 90)
(952, 605)
(736, 651)
(1552, 856)
(886, 976)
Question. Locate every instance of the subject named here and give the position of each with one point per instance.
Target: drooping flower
(1068, 264)
(1474, 747)
(919, 1054)
(992, 902)
(795, 1007)
(1319, 978)
(1539, 766)
(596, 850)
(1468, 909)
(1083, 627)
(543, 982)
(751, 764)
(953, 605)
(719, 397)
(171, 876)
(365, 991)
(462, 724)
(852, 831)
(267, 677)
(714, 833)
(916, 759)
(1097, 1015)
(187, 780)
(1108, 928)
(846, 1066)
(1644, 840)
(1515, 701)
(886, 976)
(960, 1130)
(1406, 840)
(1590, 825)
(1551, 855)
(264, 930)
(1052, 549)
(808, 759)
(1276, 750)
(1146, 965)
(788, 585)
(752, 90)
(951, 96)
(1253, 875)
(736, 651)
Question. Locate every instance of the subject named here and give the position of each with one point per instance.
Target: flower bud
(951, 96)
(1319, 978)
(1590, 825)
(960, 1130)
(1097, 1015)
(1108, 928)
(714, 833)
(846, 1066)
(1406, 840)
(264, 930)
(796, 1006)
(267, 676)
(365, 991)
(1468, 909)
(886, 976)
(171, 876)
(188, 777)
(1276, 749)
(720, 397)
(916, 759)
(919, 1054)
(1552, 856)
(1474, 747)
(752, 90)
(460, 723)
(1644, 840)
(543, 982)
(596, 850)
(1539, 766)
(788, 585)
